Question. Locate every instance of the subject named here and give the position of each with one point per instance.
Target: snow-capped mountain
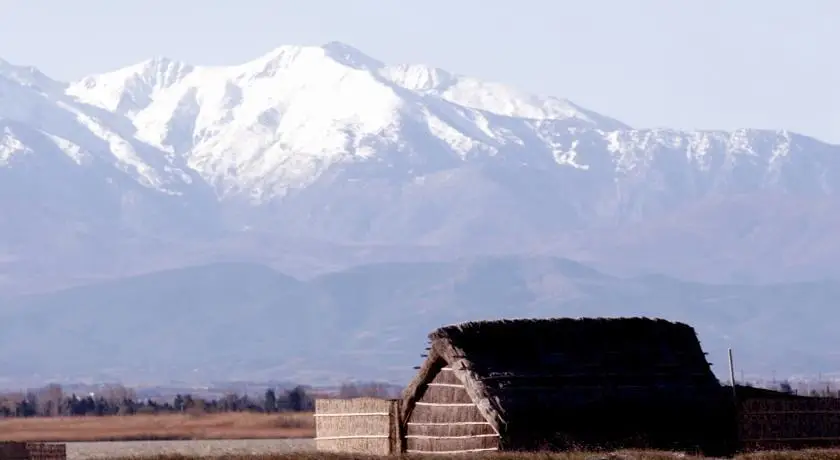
(276, 124)
(326, 144)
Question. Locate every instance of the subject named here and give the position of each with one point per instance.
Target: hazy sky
(654, 63)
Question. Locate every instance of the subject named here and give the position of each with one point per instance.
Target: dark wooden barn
(591, 383)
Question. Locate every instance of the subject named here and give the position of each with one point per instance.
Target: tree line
(53, 401)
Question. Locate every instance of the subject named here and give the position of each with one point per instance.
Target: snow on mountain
(85, 134)
(73, 176)
(273, 122)
(490, 97)
(29, 77)
(318, 158)
(328, 143)
(130, 89)
(278, 122)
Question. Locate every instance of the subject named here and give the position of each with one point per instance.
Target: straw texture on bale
(789, 423)
(571, 383)
(445, 419)
(13, 451)
(32, 451)
(359, 425)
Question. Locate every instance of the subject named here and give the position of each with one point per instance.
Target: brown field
(159, 427)
(792, 455)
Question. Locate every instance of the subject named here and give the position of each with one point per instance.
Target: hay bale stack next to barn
(358, 425)
(32, 451)
(769, 420)
(565, 383)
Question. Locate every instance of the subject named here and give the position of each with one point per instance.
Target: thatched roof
(538, 369)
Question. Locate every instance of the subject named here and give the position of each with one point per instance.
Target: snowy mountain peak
(132, 88)
(266, 129)
(162, 70)
(491, 97)
(289, 57)
(351, 56)
(326, 143)
(279, 58)
(420, 77)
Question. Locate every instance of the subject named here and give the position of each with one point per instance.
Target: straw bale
(358, 425)
(445, 418)
(451, 444)
(446, 376)
(438, 391)
(792, 404)
(360, 446)
(791, 425)
(352, 426)
(447, 395)
(46, 451)
(439, 414)
(794, 422)
(353, 405)
(447, 429)
(32, 451)
(13, 451)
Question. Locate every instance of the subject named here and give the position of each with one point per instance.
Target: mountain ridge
(328, 144)
(237, 320)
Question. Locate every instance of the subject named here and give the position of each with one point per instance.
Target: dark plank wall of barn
(445, 419)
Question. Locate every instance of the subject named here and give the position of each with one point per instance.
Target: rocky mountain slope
(316, 158)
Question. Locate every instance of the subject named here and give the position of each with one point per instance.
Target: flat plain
(253, 436)
(160, 427)
(249, 450)
(189, 449)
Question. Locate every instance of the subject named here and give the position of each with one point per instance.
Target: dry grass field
(160, 427)
(797, 455)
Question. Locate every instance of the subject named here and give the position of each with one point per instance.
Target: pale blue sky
(675, 63)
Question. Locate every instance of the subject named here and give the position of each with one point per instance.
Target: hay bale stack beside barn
(357, 425)
(10, 450)
(564, 383)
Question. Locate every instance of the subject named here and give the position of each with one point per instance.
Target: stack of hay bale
(32, 451)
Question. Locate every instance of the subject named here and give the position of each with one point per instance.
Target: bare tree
(115, 392)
